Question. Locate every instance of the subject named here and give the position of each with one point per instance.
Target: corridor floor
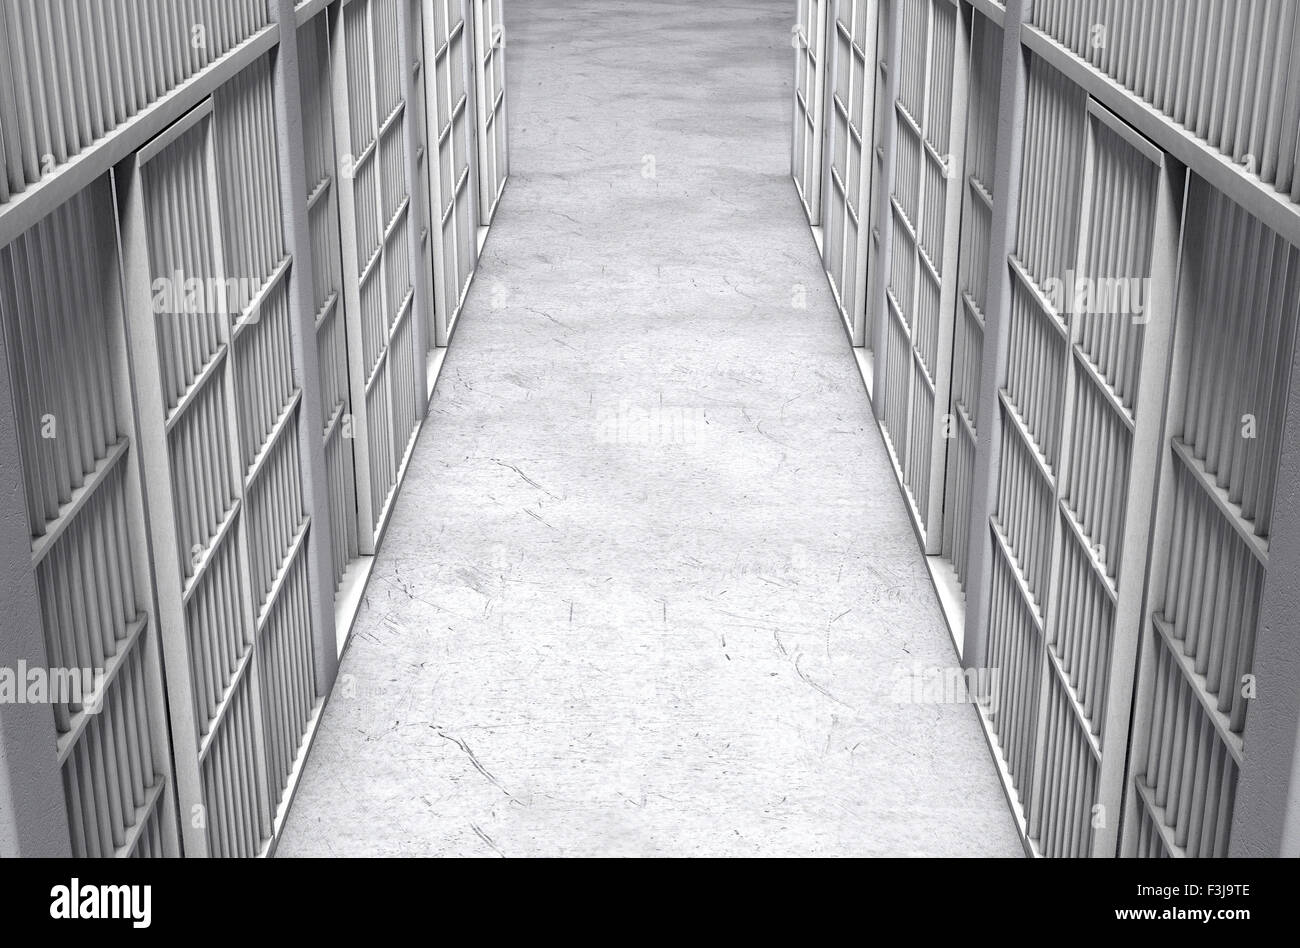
(650, 588)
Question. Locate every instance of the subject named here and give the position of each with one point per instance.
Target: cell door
(972, 296)
(376, 227)
(208, 277)
(451, 114)
(850, 146)
(914, 369)
(1081, 415)
(809, 42)
(490, 96)
(324, 184)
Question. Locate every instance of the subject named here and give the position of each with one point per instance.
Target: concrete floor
(650, 588)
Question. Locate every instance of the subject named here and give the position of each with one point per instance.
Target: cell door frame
(856, 323)
(371, 523)
(329, 191)
(489, 44)
(444, 321)
(350, 269)
(929, 527)
(810, 117)
(1110, 749)
(173, 588)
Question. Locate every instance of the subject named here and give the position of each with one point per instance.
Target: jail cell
(1089, 330)
(72, 73)
(490, 96)
(61, 313)
(1237, 318)
(1022, 521)
(961, 426)
(850, 138)
(809, 41)
(1229, 73)
(327, 291)
(376, 223)
(921, 294)
(208, 276)
(452, 163)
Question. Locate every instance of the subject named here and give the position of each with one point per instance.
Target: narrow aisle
(650, 588)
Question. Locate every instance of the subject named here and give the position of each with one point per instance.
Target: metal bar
(78, 172)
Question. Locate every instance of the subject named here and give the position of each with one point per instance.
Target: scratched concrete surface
(650, 588)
